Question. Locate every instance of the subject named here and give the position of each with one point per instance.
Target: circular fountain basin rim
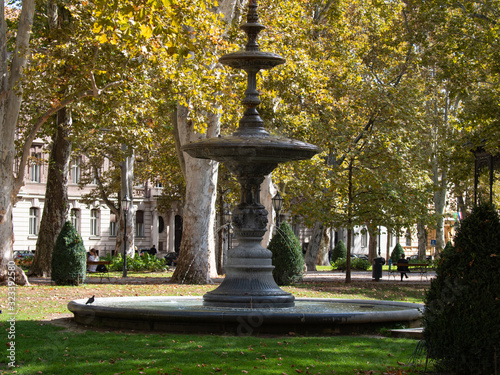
(410, 312)
(245, 59)
(265, 148)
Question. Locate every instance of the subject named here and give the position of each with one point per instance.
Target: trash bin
(377, 268)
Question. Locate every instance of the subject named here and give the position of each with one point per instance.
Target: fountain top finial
(252, 28)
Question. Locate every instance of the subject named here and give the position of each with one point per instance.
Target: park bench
(97, 263)
(421, 268)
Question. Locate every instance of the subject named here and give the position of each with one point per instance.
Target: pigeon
(91, 300)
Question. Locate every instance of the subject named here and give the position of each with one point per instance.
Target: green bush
(461, 319)
(339, 251)
(145, 262)
(356, 264)
(287, 257)
(397, 252)
(69, 258)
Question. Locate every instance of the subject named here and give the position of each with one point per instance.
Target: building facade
(95, 223)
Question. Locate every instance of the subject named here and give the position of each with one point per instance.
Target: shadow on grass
(47, 349)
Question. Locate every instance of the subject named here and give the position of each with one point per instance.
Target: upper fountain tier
(251, 143)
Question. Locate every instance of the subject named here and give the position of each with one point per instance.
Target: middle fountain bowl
(250, 153)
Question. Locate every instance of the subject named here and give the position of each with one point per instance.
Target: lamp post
(227, 219)
(379, 235)
(277, 205)
(125, 208)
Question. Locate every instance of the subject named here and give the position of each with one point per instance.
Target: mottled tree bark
(422, 240)
(314, 245)
(372, 243)
(55, 210)
(195, 265)
(324, 249)
(10, 104)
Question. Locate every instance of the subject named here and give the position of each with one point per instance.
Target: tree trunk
(196, 263)
(422, 240)
(127, 189)
(324, 249)
(388, 245)
(350, 199)
(372, 242)
(267, 192)
(348, 257)
(314, 245)
(440, 194)
(197, 245)
(55, 208)
(10, 104)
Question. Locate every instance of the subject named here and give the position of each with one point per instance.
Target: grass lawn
(44, 348)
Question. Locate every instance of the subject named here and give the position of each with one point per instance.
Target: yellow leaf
(103, 38)
(146, 31)
(97, 29)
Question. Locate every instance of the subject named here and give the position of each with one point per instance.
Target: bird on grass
(91, 300)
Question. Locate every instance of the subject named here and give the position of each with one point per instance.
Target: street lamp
(125, 208)
(277, 205)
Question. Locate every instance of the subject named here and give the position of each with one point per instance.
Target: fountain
(248, 300)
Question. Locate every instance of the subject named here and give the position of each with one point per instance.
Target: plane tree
(346, 88)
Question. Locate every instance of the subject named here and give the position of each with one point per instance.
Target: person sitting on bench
(93, 257)
(403, 269)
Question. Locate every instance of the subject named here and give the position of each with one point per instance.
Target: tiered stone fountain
(250, 153)
(248, 301)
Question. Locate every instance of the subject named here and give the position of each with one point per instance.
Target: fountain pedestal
(249, 281)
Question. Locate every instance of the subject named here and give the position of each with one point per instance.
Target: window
(95, 174)
(75, 218)
(33, 221)
(161, 224)
(408, 238)
(364, 239)
(94, 222)
(112, 225)
(35, 167)
(76, 170)
(139, 223)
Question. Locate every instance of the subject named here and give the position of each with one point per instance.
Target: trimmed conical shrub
(397, 252)
(462, 314)
(287, 258)
(69, 259)
(339, 251)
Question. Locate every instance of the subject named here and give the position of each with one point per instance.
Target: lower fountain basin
(188, 315)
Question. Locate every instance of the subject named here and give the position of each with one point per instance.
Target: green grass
(45, 349)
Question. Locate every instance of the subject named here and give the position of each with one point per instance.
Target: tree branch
(43, 119)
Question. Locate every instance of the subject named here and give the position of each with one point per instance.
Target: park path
(312, 276)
